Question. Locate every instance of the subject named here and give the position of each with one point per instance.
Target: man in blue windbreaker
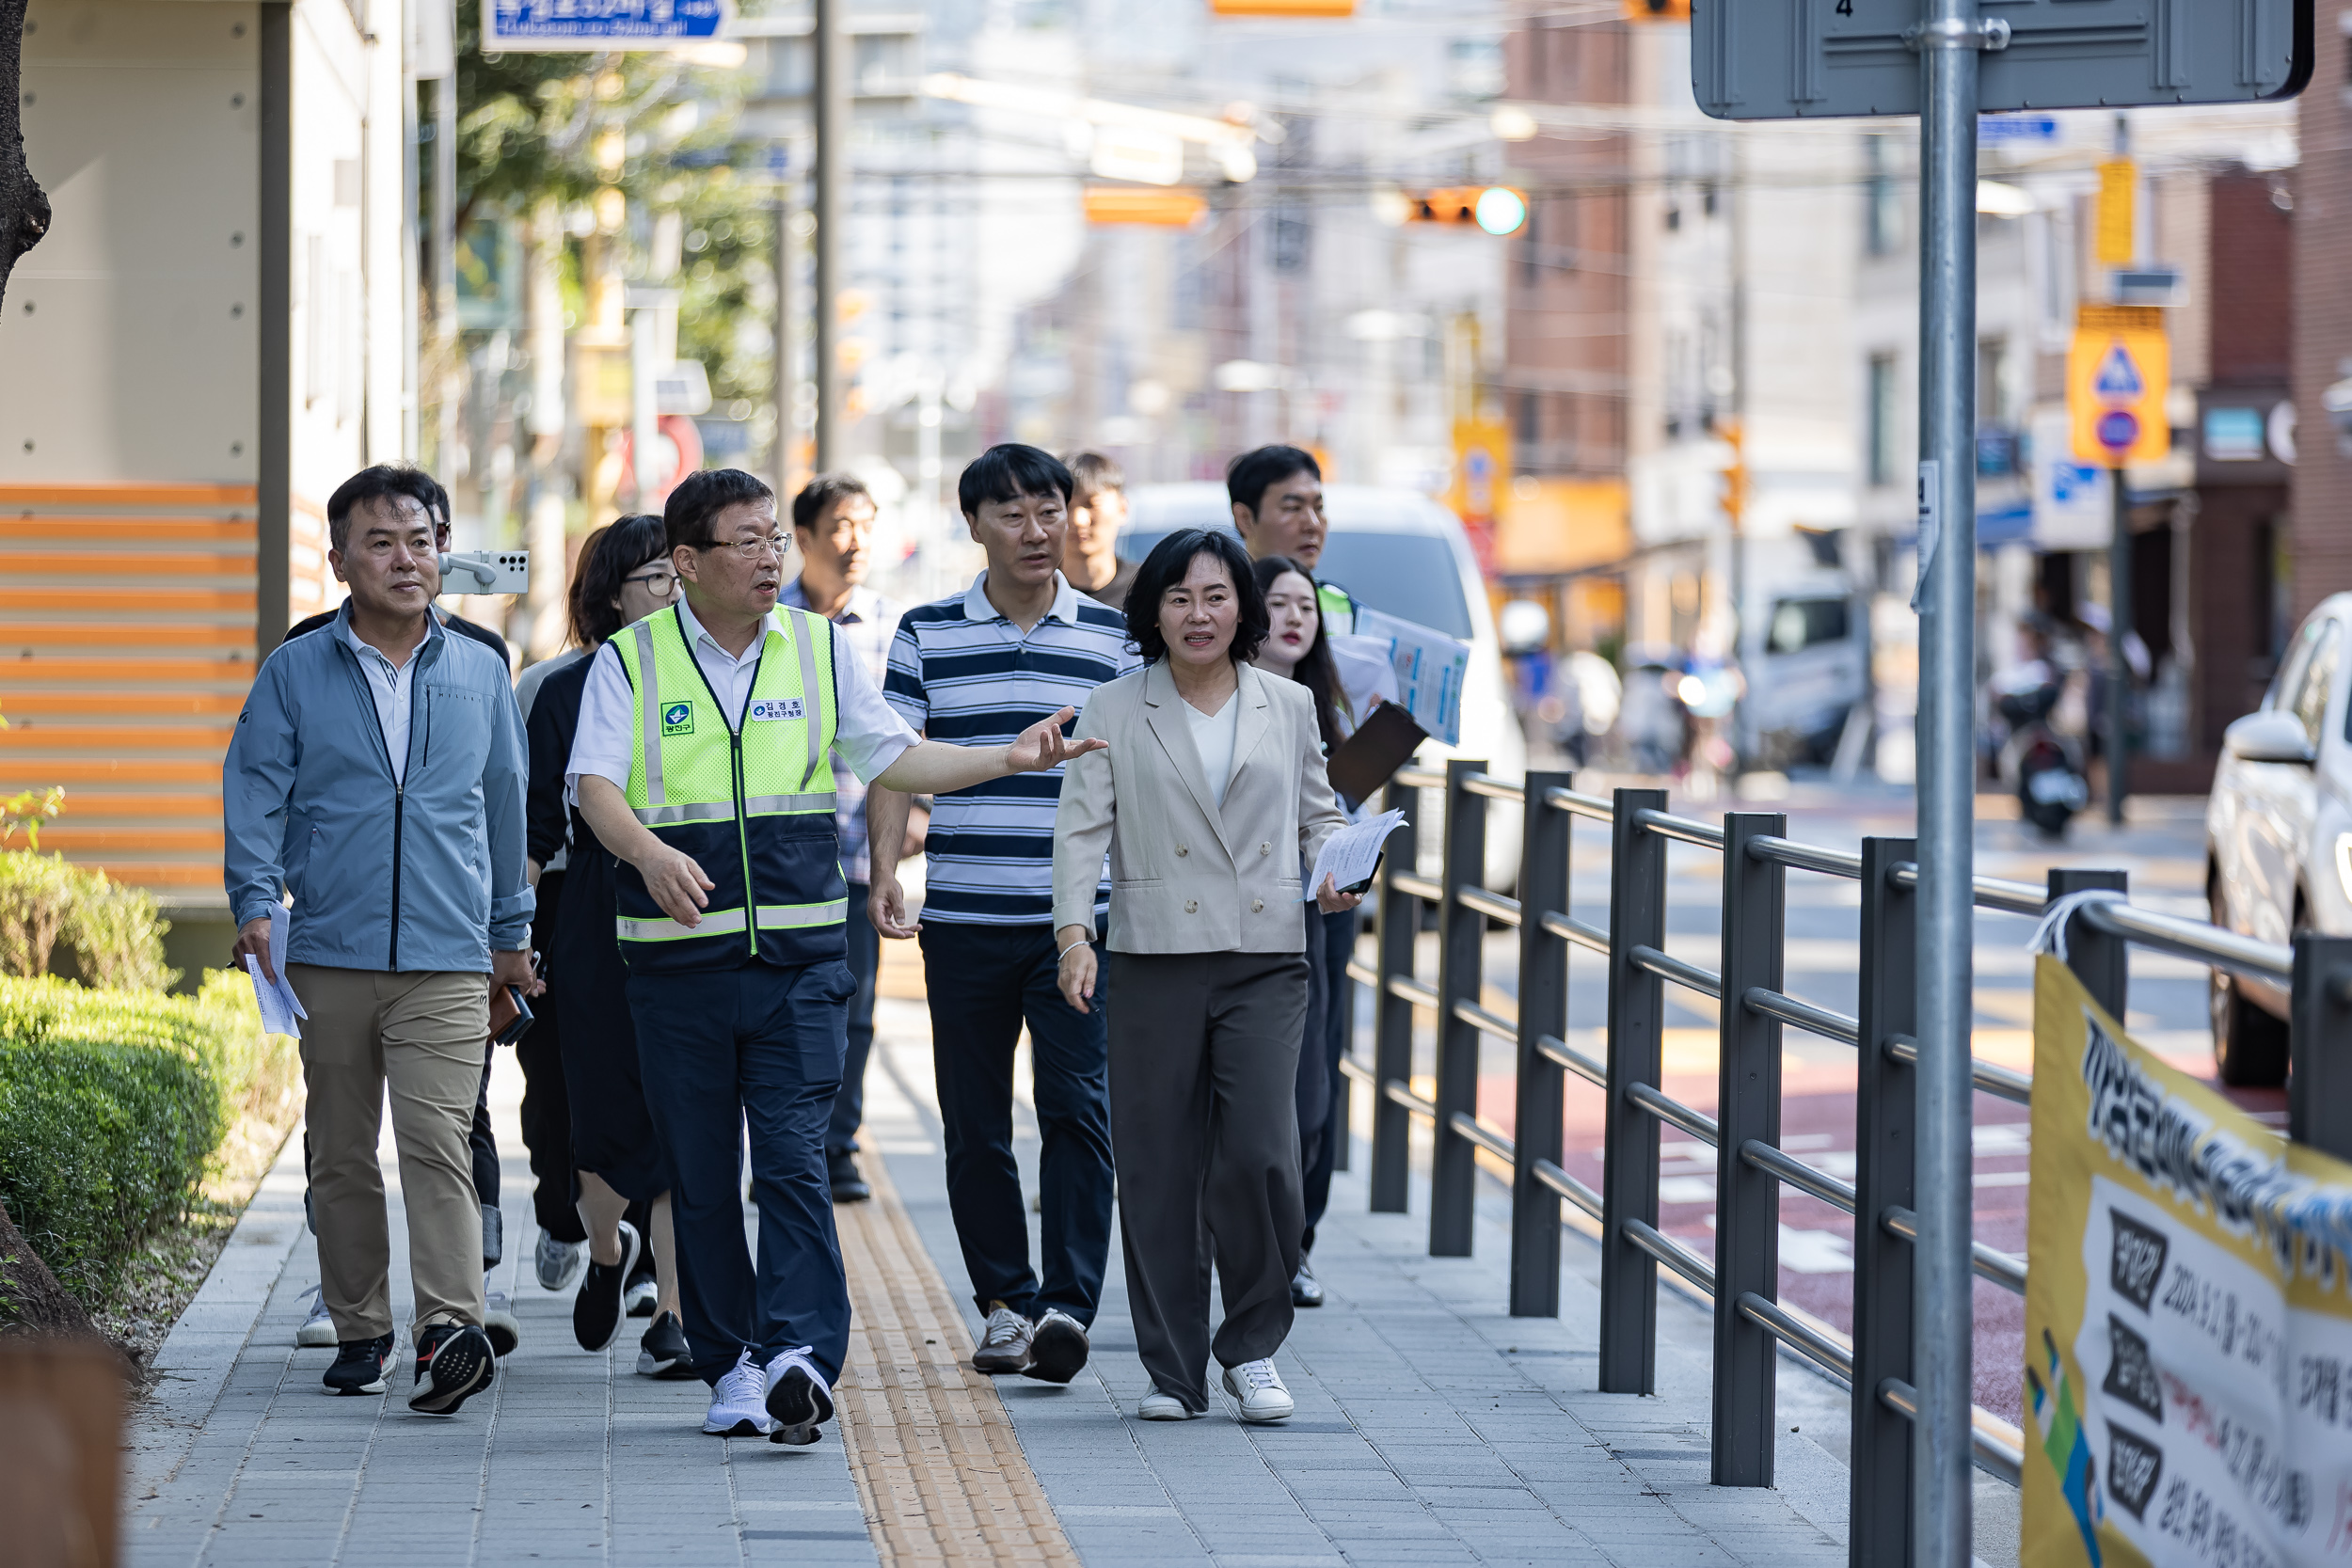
(378, 775)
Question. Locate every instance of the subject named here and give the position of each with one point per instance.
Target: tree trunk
(23, 205)
(31, 1300)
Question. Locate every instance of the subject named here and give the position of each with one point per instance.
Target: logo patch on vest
(678, 719)
(778, 707)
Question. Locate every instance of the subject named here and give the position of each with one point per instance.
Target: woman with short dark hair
(624, 574)
(1211, 790)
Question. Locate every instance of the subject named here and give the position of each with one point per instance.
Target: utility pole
(1950, 34)
(2118, 715)
(780, 211)
(831, 118)
(445, 281)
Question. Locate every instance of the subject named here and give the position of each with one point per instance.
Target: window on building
(1531, 420)
(1994, 404)
(1881, 434)
(1881, 210)
(1530, 247)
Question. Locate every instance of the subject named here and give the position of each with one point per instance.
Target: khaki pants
(423, 1034)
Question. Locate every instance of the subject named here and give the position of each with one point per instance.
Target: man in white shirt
(701, 763)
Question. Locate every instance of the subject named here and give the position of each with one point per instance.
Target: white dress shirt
(867, 734)
(391, 686)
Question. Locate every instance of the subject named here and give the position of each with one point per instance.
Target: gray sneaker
(1005, 1346)
(318, 1327)
(560, 1264)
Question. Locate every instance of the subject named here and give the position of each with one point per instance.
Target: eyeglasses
(659, 584)
(752, 549)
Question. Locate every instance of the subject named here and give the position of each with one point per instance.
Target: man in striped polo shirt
(1018, 645)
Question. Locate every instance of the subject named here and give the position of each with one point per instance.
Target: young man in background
(1098, 509)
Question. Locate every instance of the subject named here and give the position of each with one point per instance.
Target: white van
(1400, 552)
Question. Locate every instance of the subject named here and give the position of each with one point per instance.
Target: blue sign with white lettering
(599, 25)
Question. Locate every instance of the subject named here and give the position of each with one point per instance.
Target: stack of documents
(280, 1007)
(1350, 855)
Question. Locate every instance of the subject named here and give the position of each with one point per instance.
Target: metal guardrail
(1742, 1278)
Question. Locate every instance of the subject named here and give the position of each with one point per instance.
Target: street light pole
(831, 116)
(1949, 38)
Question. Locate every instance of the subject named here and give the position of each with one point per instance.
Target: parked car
(1397, 551)
(1806, 657)
(2279, 835)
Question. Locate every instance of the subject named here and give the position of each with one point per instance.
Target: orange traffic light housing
(1281, 8)
(1735, 472)
(1496, 209)
(1148, 205)
(1657, 10)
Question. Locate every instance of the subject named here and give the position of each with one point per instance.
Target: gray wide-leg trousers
(1205, 1060)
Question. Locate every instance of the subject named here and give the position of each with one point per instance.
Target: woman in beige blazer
(1209, 798)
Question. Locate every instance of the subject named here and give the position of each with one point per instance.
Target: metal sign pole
(1948, 39)
(831, 116)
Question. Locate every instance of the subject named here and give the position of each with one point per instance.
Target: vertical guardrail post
(1747, 1200)
(2319, 1047)
(1885, 1114)
(2101, 963)
(1637, 1008)
(1392, 1016)
(1537, 1130)
(1461, 933)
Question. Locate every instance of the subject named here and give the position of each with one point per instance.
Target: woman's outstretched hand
(1330, 900)
(1075, 972)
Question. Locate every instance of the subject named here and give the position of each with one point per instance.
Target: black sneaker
(454, 1363)
(644, 1292)
(848, 1183)
(359, 1365)
(1058, 1348)
(663, 1352)
(597, 1310)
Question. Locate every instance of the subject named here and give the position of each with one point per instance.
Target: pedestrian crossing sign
(2118, 375)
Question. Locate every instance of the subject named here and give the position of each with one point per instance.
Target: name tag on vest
(777, 707)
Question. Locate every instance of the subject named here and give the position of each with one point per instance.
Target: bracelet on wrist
(1071, 948)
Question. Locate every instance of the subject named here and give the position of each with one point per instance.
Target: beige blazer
(1185, 875)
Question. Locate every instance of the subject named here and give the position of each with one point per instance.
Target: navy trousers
(1328, 948)
(984, 981)
(849, 1106)
(757, 1047)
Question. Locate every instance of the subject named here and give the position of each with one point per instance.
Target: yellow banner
(2188, 1331)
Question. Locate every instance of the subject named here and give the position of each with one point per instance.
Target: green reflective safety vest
(752, 802)
(1336, 605)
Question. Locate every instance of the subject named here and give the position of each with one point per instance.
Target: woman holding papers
(1210, 793)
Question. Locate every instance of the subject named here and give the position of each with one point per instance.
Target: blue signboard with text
(601, 24)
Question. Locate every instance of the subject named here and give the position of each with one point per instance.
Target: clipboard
(1383, 743)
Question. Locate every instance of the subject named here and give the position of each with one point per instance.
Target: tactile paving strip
(937, 1465)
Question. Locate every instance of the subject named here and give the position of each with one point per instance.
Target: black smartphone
(1365, 885)
(523, 1017)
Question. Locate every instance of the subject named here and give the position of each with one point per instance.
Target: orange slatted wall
(126, 647)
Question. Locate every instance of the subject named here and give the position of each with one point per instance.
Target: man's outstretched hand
(1042, 747)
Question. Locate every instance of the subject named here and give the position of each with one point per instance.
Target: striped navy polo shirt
(962, 672)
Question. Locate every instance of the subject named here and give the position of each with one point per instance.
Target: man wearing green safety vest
(703, 763)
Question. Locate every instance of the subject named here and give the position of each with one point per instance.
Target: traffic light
(1735, 472)
(1496, 209)
(1148, 205)
(1657, 10)
(1282, 8)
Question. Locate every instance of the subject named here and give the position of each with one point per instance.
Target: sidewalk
(1432, 1426)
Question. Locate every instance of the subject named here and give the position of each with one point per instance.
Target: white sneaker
(1258, 1392)
(1160, 1406)
(500, 1323)
(737, 1407)
(1003, 1345)
(799, 1399)
(318, 1327)
(560, 1263)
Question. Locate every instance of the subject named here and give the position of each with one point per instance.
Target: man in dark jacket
(397, 940)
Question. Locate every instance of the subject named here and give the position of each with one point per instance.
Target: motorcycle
(2052, 782)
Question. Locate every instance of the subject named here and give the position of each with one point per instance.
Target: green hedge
(111, 1105)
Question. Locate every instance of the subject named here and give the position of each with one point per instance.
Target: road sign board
(600, 26)
(2118, 375)
(1795, 59)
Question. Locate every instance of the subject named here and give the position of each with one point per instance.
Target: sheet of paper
(1349, 855)
(1430, 669)
(280, 1007)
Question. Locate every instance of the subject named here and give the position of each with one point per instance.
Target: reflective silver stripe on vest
(724, 811)
(649, 716)
(805, 644)
(717, 923)
(784, 916)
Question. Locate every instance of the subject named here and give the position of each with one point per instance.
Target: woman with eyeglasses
(624, 575)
